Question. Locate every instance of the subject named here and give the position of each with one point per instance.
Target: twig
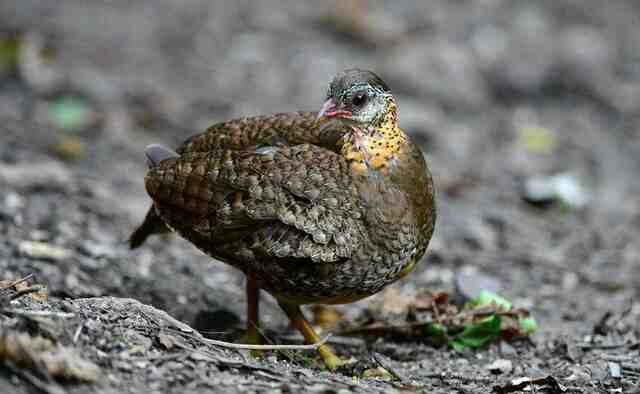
(378, 359)
(208, 354)
(616, 357)
(631, 366)
(588, 346)
(49, 388)
(28, 290)
(64, 315)
(17, 282)
(76, 335)
(231, 345)
(195, 335)
(550, 382)
(288, 355)
(454, 376)
(335, 339)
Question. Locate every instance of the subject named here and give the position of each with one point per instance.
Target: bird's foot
(332, 361)
(253, 337)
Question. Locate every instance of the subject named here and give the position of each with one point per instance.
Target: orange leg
(301, 324)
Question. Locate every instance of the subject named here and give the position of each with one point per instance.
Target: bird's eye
(359, 99)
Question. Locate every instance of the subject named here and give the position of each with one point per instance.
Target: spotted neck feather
(377, 146)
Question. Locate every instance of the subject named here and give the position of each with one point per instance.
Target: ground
(528, 112)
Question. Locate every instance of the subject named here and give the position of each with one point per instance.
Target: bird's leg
(301, 324)
(253, 336)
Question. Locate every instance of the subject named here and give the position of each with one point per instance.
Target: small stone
(470, 282)
(564, 187)
(479, 234)
(167, 341)
(141, 364)
(614, 370)
(10, 208)
(500, 365)
(43, 251)
(35, 67)
(580, 374)
(44, 175)
(122, 365)
(506, 349)
(378, 372)
(199, 356)
(95, 249)
(174, 365)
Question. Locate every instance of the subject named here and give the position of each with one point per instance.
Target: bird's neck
(375, 147)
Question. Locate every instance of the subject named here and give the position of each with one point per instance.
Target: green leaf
(477, 334)
(487, 297)
(537, 139)
(69, 113)
(67, 147)
(527, 325)
(436, 331)
(9, 47)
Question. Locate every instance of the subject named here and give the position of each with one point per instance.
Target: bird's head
(363, 102)
(359, 97)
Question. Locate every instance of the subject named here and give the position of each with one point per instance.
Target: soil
(502, 96)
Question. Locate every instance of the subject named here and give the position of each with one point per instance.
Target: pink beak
(330, 110)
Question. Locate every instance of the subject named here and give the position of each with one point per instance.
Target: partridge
(314, 208)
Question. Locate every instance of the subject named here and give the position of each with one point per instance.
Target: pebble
(49, 175)
(478, 234)
(565, 187)
(10, 208)
(614, 370)
(507, 350)
(43, 251)
(95, 249)
(470, 282)
(500, 365)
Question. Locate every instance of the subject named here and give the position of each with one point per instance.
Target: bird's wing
(291, 128)
(285, 202)
(247, 134)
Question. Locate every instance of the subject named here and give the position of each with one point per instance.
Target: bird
(324, 207)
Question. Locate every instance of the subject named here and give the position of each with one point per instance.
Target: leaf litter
(433, 318)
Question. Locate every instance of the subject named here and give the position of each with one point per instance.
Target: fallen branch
(17, 282)
(521, 384)
(21, 312)
(243, 346)
(27, 290)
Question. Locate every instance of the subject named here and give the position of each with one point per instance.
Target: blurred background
(528, 112)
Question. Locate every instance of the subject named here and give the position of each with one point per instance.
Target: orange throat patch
(376, 147)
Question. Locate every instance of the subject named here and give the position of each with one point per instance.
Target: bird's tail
(152, 223)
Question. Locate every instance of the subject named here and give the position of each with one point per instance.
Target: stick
(17, 282)
(19, 312)
(231, 345)
(76, 336)
(28, 290)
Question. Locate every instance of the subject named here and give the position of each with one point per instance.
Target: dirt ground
(529, 113)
